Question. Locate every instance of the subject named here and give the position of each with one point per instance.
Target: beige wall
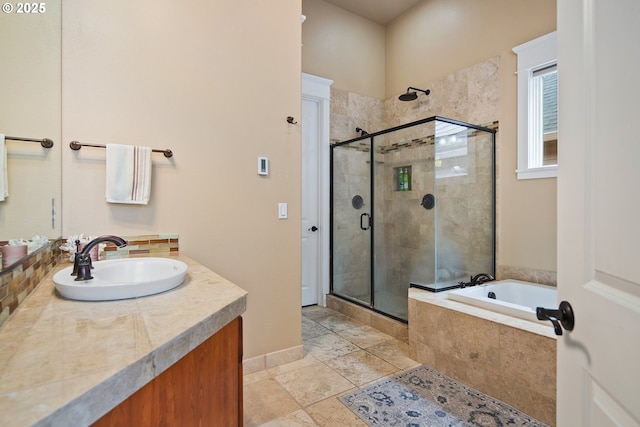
(343, 47)
(30, 107)
(526, 208)
(214, 82)
(437, 37)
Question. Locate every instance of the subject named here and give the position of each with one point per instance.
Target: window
(537, 108)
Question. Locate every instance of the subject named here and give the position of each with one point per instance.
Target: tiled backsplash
(148, 244)
(17, 282)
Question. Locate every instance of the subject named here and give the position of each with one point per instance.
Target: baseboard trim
(271, 360)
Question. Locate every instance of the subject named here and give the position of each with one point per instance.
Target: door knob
(562, 316)
(314, 228)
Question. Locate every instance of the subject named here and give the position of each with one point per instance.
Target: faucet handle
(83, 267)
(75, 264)
(481, 278)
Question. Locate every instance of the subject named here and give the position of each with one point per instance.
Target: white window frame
(532, 56)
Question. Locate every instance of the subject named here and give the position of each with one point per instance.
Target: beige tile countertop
(65, 362)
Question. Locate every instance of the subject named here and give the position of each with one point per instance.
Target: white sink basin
(122, 278)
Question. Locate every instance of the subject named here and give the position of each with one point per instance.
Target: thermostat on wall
(263, 166)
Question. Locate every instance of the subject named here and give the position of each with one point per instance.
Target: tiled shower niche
(402, 178)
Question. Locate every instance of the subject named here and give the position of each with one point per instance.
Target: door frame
(318, 89)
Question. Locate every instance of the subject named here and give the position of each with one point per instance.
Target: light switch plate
(282, 211)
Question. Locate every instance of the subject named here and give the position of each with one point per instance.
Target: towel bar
(45, 142)
(75, 145)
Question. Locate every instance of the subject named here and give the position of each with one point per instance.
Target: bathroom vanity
(173, 358)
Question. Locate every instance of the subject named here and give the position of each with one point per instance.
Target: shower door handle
(368, 224)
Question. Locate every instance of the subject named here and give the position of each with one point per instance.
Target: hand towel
(4, 175)
(128, 174)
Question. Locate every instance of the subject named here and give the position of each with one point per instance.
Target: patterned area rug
(423, 397)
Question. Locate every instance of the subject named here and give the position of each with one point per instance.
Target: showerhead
(411, 96)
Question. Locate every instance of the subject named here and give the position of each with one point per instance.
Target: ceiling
(380, 11)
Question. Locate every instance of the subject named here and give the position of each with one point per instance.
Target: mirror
(30, 106)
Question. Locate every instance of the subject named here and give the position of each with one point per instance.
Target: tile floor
(340, 355)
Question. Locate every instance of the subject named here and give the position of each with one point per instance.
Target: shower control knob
(314, 229)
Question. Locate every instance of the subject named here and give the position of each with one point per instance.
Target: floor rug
(424, 397)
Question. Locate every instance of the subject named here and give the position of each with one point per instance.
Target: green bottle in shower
(405, 179)
(400, 179)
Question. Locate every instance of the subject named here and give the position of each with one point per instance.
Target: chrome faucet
(478, 279)
(82, 261)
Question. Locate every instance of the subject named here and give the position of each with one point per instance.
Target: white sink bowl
(122, 278)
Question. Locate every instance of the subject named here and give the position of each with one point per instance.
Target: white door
(599, 211)
(316, 97)
(310, 229)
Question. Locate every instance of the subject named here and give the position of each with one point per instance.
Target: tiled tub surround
(526, 274)
(510, 359)
(66, 362)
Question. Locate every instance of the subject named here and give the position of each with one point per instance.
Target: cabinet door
(204, 388)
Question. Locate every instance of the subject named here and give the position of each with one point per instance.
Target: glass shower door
(351, 221)
(403, 232)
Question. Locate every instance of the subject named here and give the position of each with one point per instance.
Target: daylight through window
(537, 108)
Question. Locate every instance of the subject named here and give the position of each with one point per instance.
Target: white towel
(128, 174)
(4, 175)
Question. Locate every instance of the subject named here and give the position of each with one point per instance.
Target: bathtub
(512, 297)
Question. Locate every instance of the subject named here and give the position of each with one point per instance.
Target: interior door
(310, 229)
(598, 211)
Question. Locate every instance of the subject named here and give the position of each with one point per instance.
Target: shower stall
(413, 205)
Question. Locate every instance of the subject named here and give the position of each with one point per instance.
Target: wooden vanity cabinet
(204, 388)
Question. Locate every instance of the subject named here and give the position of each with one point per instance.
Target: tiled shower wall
(447, 243)
(471, 95)
(350, 111)
(406, 238)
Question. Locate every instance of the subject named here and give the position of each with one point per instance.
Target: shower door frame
(371, 138)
